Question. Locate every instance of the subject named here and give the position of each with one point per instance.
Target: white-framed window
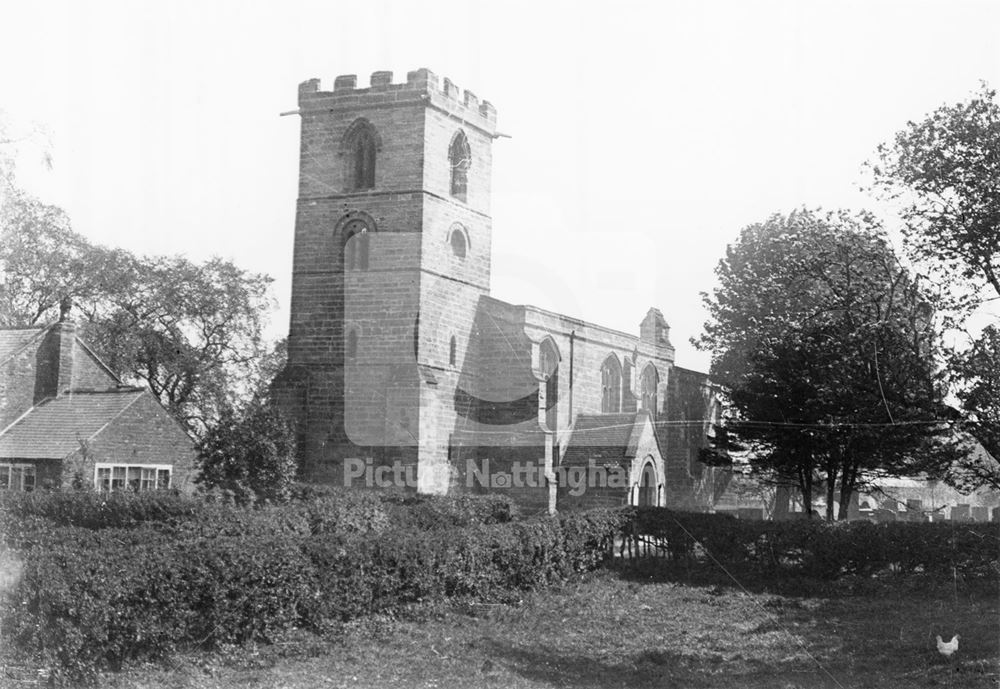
(17, 477)
(136, 477)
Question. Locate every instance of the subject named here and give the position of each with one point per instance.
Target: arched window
(452, 351)
(361, 143)
(356, 245)
(611, 386)
(549, 365)
(460, 159)
(351, 350)
(648, 384)
(458, 243)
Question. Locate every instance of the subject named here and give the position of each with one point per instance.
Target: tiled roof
(55, 428)
(600, 438)
(14, 339)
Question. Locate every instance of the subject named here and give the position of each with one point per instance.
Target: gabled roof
(56, 428)
(603, 438)
(13, 340)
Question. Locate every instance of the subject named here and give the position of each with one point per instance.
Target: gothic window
(356, 245)
(452, 351)
(549, 365)
(351, 350)
(648, 384)
(611, 386)
(459, 159)
(360, 147)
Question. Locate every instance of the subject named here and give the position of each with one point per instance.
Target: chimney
(54, 360)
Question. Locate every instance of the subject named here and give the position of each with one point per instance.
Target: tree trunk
(831, 488)
(805, 484)
(847, 481)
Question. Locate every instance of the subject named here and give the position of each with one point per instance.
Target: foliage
(978, 370)
(945, 170)
(826, 346)
(191, 332)
(250, 454)
(814, 548)
(92, 599)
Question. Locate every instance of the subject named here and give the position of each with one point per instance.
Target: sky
(643, 135)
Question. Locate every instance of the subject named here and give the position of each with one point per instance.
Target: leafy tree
(249, 454)
(945, 170)
(827, 348)
(191, 332)
(979, 369)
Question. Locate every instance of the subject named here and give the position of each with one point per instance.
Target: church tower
(391, 258)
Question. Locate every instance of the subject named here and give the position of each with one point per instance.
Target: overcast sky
(644, 135)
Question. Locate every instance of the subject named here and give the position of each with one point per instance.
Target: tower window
(356, 245)
(459, 246)
(459, 159)
(611, 386)
(360, 146)
(452, 351)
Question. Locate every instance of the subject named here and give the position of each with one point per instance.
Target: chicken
(946, 649)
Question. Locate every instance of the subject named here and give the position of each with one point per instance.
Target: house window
(361, 145)
(19, 477)
(452, 351)
(356, 245)
(134, 477)
(611, 386)
(460, 159)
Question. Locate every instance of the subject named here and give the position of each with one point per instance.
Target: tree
(249, 454)
(945, 170)
(191, 332)
(827, 348)
(978, 368)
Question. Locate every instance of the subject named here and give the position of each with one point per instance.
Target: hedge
(813, 548)
(88, 600)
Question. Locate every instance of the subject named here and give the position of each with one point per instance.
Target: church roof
(601, 438)
(12, 340)
(56, 428)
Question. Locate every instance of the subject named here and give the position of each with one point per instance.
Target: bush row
(26, 517)
(811, 547)
(88, 600)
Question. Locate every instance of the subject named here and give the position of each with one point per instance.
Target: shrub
(249, 454)
(814, 548)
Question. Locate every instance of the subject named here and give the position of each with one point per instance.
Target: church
(401, 363)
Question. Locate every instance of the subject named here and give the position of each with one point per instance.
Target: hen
(946, 649)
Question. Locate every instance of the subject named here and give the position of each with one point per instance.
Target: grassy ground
(621, 631)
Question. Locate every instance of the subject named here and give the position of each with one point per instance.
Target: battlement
(420, 84)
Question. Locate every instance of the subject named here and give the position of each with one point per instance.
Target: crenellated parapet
(421, 86)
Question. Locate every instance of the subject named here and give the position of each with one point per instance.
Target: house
(402, 363)
(67, 419)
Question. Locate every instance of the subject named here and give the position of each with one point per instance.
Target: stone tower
(391, 257)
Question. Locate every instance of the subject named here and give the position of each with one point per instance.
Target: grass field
(627, 631)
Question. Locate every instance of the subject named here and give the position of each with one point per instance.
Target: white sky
(645, 135)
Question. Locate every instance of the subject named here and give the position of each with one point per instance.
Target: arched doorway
(648, 496)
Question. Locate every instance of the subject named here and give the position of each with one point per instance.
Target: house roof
(55, 428)
(13, 340)
(601, 438)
